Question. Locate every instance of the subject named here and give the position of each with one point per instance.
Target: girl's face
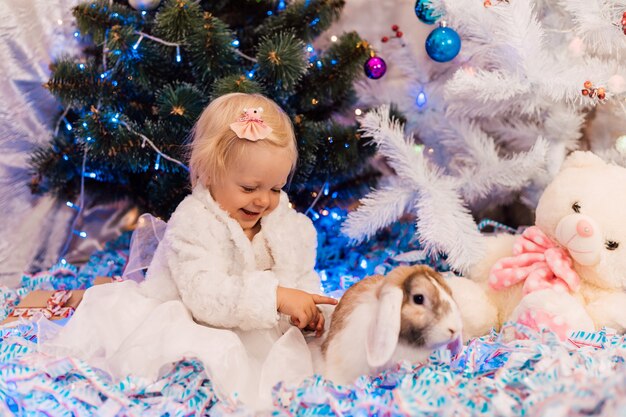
(250, 187)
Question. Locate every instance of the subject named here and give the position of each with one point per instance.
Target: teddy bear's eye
(576, 207)
(418, 299)
(611, 245)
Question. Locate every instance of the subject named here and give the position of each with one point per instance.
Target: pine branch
(329, 150)
(177, 19)
(306, 18)
(210, 50)
(180, 102)
(281, 60)
(333, 75)
(79, 84)
(235, 84)
(96, 17)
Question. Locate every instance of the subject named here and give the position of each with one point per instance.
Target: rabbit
(381, 320)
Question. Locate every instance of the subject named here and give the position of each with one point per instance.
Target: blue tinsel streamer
(535, 374)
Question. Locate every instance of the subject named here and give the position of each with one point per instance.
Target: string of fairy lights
(115, 119)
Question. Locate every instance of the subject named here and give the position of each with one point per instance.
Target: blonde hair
(215, 146)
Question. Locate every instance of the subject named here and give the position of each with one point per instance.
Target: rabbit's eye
(611, 245)
(576, 207)
(418, 299)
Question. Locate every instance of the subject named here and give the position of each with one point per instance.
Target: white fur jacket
(206, 260)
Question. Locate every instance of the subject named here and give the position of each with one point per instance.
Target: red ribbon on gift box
(55, 307)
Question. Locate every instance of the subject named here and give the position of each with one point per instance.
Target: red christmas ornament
(587, 84)
(399, 34)
(585, 92)
(384, 39)
(395, 28)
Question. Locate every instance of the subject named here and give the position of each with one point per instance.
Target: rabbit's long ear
(383, 332)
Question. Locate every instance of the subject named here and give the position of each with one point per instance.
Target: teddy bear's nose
(584, 228)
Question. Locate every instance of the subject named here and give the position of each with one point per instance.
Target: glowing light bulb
(136, 45)
(421, 99)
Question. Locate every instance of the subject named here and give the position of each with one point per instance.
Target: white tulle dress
(122, 331)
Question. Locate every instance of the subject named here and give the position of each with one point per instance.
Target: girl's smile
(250, 187)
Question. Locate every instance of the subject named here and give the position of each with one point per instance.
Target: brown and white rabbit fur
(381, 320)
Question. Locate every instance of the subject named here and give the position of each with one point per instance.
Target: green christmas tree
(130, 102)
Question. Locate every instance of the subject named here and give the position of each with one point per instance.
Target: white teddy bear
(568, 272)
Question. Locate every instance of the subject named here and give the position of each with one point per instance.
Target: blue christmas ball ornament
(443, 44)
(425, 13)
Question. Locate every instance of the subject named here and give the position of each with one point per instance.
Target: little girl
(232, 282)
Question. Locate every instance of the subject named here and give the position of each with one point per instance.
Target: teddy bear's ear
(580, 159)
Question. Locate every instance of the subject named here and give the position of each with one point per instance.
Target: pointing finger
(321, 299)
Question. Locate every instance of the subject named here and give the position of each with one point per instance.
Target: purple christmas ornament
(375, 67)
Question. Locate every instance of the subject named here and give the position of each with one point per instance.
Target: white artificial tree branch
(444, 223)
(595, 22)
(377, 210)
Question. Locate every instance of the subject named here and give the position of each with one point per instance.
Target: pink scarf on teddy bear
(541, 264)
(537, 261)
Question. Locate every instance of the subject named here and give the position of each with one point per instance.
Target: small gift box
(54, 305)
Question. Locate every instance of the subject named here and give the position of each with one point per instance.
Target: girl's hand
(301, 306)
(317, 327)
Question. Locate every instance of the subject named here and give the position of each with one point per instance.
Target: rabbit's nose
(452, 331)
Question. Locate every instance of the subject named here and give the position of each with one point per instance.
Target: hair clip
(250, 125)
